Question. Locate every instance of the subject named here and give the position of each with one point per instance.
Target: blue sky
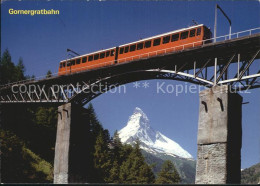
(42, 40)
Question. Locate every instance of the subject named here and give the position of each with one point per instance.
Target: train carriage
(152, 46)
(164, 43)
(88, 61)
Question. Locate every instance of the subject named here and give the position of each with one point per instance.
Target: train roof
(160, 35)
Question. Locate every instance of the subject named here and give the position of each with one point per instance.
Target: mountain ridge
(156, 147)
(138, 127)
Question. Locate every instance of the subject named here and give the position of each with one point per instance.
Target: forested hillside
(28, 134)
(251, 175)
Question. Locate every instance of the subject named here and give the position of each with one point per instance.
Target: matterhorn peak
(138, 127)
(138, 110)
(138, 119)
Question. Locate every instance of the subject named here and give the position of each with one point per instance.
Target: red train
(152, 46)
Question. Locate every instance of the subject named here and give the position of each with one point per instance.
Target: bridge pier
(219, 137)
(70, 161)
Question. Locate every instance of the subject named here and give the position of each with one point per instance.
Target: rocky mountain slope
(156, 147)
(251, 175)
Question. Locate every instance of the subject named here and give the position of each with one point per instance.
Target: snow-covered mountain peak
(138, 126)
(138, 119)
(139, 111)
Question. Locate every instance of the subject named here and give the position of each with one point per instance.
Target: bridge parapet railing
(145, 55)
(238, 34)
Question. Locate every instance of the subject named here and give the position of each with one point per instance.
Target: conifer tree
(102, 159)
(7, 69)
(117, 157)
(48, 74)
(20, 69)
(95, 125)
(118, 151)
(114, 173)
(146, 175)
(32, 77)
(135, 169)
(168, 174)
(46, 116)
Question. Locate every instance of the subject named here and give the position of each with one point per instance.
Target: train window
(126, 49)
(192, 33)
(112, 52)
(140, 46)
(102, 55)
(78, 61)
(96, 56)
(84, 59)
(90, 58)
(107, 53)
(156, 42)
(184, 35)
(166, 39)
(68, 64)
(63, 64)
(175, 37)
(60, 65)
(207, 34)
(132, 47)
(198, 31)
(121, 50)
(72, 62)
(147, 44)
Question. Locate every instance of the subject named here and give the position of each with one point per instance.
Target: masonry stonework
(219, 136)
